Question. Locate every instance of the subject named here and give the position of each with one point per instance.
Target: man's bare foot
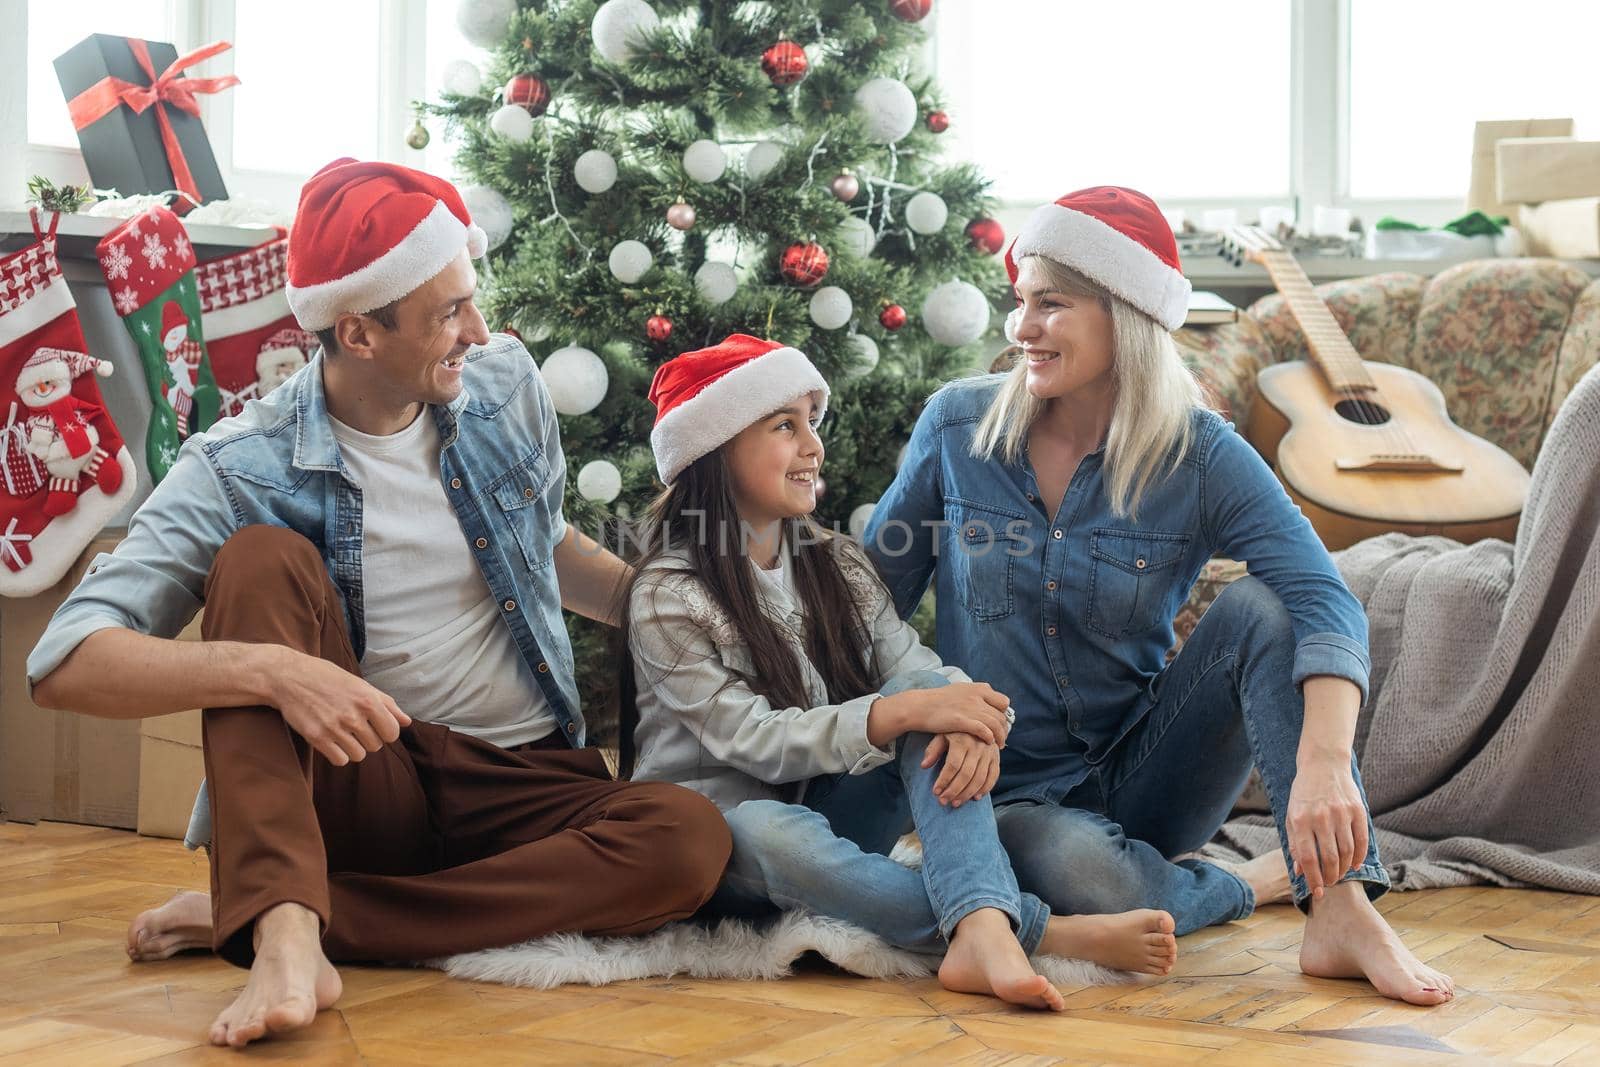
(1131, 941)
(1347, 938)
(985, 957)
(290, 981)
(182, 923)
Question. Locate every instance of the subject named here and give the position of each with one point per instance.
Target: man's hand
(1326, 823)
(971, 767)
(340, 714)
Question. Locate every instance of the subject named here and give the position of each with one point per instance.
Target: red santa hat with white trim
(366, 234)
(1115, 237)
(706, 397)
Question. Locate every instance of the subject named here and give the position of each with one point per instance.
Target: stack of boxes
(1545, 179)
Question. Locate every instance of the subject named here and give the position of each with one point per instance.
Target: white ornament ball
(889, 109)
(630, 261)
(462, 78)
(704, 161)
(490, 210)
(955, 313)
(619, 28)
(763, 159)
(859, 519)
(864, 357)
(513, 122)
(926, 213)
(857, 236)
(576, 379)
(485, 22)
(831, 307)
(716, 283)
(600, 481)
(595, 171)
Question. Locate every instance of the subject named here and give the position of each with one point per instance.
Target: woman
(774, 677)
(1066, 508)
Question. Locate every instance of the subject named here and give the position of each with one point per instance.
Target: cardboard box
(1566, 229)
(58, 765)
(1532, 170)
(1482, 193)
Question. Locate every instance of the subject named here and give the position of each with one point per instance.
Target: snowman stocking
(149, 268)
(252, 339)
(66, 470)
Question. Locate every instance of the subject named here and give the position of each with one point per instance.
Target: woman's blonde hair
(1155, 398)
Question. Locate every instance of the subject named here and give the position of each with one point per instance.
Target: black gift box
(124, 151)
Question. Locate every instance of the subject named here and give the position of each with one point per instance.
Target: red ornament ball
(911, 10)
(804, 264)
(986, 235)
(785, 63)
(893, 317)
(512, 330)
(658, 329)
(528, 91)
(938, 121)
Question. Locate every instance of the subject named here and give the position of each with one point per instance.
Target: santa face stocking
(252, 339)
(149, 267)
(66, 469)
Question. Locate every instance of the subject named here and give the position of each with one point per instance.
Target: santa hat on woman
(366, 234)
(1115, 237)
(705, 398)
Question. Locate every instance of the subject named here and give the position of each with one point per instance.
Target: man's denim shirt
(278, 463)
(1071, 615)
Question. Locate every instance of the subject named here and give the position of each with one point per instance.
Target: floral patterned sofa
(1504, 339)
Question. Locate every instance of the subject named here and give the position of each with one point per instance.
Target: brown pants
(438, 843)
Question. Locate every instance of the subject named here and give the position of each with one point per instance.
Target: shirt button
(544, 668)
(482, 542)
(528, 493)
(1050, 586)
(1139, 563)
(1057, 535)
(1063, 679)
(1030, 496)
(455, 483)
(1051, 632)
(572, 728)
(511, 605)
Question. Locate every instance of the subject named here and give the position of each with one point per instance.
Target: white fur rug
(730, 949)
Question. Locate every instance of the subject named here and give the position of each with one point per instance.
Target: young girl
(774, 676)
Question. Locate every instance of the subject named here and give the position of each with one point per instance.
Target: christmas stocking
(252, 339)
(66, 470)
(149, 268)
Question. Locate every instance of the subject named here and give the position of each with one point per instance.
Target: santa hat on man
(704, 398)
(366, 234)
(58, 364)
(1115, 237)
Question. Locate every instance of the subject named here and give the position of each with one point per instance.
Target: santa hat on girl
(705, 398)
(54, 364)
(366, 234)
(1115, 237)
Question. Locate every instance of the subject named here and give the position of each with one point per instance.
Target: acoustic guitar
(1366, 448)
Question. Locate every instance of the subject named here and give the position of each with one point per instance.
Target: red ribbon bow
(104, 96)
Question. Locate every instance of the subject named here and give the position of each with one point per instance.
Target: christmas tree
(655, 177)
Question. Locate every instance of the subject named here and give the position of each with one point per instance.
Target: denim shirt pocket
(982, 547)
(1130, 578)
(519, 493)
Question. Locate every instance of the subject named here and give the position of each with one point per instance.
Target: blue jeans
(1169, 785)
(830, 854)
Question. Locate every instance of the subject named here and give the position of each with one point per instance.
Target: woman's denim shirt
(1071, 615)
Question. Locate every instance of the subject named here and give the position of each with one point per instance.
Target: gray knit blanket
(1480, 741)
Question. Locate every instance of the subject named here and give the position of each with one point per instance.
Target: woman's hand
(1326, 823)
(962, 707)
(971, 767)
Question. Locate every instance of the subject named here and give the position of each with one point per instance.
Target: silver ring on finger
(1011, 717)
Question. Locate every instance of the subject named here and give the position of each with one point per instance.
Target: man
(392, 735)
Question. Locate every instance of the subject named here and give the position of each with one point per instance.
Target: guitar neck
(1331, 350)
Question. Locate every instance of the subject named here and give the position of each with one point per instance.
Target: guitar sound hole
(1365, 412)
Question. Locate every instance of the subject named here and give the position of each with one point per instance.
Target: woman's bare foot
(290, 981)
(1266, 875)
(1131, 941)
(985, 957)
(182, 923)
(1347, 938)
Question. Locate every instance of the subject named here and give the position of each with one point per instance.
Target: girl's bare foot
(986, 958)
(1131, 941)
(290, 981)
(1347, 938)
(182, 923)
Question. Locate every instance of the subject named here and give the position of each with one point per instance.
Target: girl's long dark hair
(697, 512)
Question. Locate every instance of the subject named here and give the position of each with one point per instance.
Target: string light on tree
(490, 210)
(888, 108)
(763, 159)
(595, 171)
(704, 161)
(484, 22)
(927, 213)
(527, 90)
(803, 264)
(512, 122)
(785, 63)
(938, 121)
(846, 187)
(630, 261)
(658, 328)
(955, 313)
(576, 378)
(716, 283)
(987, 235)
(910, 10)
(892, 317)
(831, 307)
(681, 216)
(620, 27)
(600, 481)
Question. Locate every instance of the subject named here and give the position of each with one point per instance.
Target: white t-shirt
(435, 640)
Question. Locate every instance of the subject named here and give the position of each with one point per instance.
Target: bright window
(1179, 99)
(54, 27)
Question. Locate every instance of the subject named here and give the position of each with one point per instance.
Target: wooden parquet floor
(1526, 966)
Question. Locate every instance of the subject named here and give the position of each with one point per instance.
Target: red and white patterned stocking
(251, 336)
